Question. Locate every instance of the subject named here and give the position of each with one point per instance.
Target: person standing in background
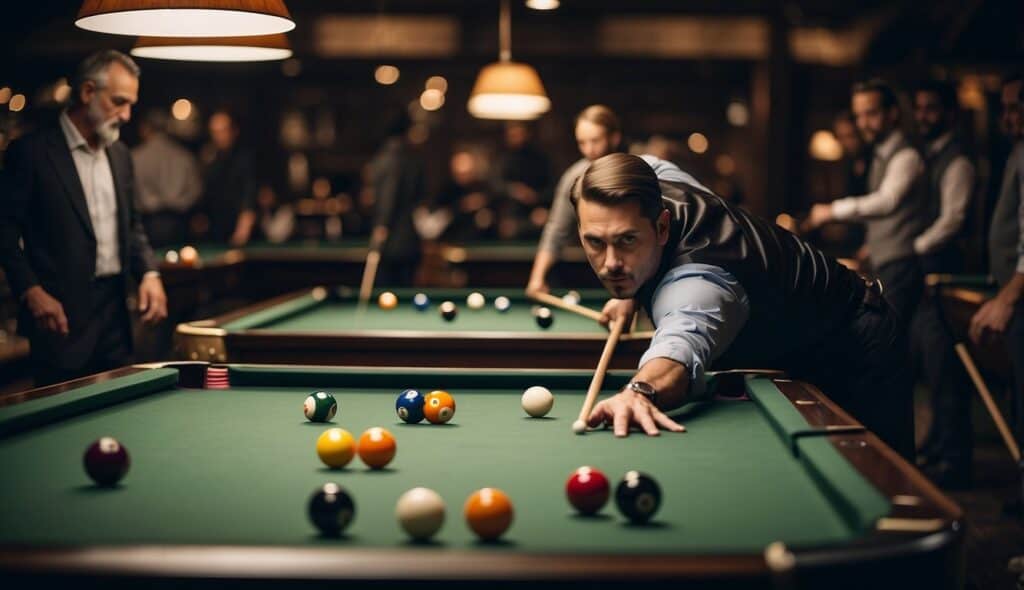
(167, 182)
(524, 175)
(229, 199)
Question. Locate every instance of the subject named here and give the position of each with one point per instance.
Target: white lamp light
(221, 49)
(185, 18)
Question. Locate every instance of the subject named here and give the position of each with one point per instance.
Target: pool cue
(598, 380)
(549, 299)
(369, 276)
(990, 404)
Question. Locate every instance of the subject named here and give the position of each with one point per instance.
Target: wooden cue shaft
(986, 396)
(602, 368)
(553, 301)
(369, 275)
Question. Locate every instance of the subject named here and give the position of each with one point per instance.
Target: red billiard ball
(106, 461)
(587, 489)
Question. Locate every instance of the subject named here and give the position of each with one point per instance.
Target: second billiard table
(326, 326)
(772, 483)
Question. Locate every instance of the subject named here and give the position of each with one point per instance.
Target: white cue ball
(579, 427)
(420, 511)
(537, 401)
(476, 300)
(572, 298)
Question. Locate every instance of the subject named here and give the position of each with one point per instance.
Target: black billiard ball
(637, 496)
(331, 509)
(106, 461)
(544, 318)
(448, 311)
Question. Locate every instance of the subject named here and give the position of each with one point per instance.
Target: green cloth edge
(784, 418)
(858, 502)
(33, 413)
(274, 313)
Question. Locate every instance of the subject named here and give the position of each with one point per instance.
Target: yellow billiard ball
(387, 300)
(336, 447)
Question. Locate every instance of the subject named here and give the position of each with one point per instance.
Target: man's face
(110, 106)
(846, 133)
(1013, 110)
(931, 118)
(222, 131)
(594, 140)
(622, 246)
(873, 121)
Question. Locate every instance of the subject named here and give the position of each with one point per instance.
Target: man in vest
(893, 209)
(728, 288)
(946, 452)
(1003, 313)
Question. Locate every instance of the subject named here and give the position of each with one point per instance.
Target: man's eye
(594, 242)
(627, 240)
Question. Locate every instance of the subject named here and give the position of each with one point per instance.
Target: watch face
(642, 388)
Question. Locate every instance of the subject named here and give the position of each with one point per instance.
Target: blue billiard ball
(409, 406)
(421, 302)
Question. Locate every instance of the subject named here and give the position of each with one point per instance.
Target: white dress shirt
(955, 188)
(100, 196)
(904, 168)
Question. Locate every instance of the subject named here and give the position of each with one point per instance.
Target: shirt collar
(74, 136)
(940, 143)
(887, 147)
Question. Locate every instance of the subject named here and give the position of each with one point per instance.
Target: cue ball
(409, 406)
(439, 407)
(448, 311)
(579, 427)
(420, 512)
(537, 401)
(387, 300)
(488, 513)
(637, 496)
(106, 461)
(188, 255)
(420, 301)
(587, 490)
(545, 318)
(336, 447)
(320, 407)
(331, 509)
(502, 304)
(476, 300)
(377, 447)
(572, 298)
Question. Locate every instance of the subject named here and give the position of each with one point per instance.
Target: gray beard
(107, 131)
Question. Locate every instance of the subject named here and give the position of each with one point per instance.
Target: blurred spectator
(524, 178)
(276, 220)
(167, 181)
(231, 184)
(855, 153)
(463, 209)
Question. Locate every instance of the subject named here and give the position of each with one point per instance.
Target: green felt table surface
(237, 466)
(312, 314)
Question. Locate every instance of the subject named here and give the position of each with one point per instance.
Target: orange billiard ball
(377, 447)
(387, 300)
(438, 407)
(488, 513)
(188, 256)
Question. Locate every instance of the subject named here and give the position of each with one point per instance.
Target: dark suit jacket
(398, 182)
(43, 206)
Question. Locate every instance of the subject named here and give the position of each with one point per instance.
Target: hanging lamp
(185, 18)
(506, 89)
(219, 49)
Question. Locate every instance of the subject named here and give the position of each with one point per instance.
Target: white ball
(420, 512)
(579, 427)
(537, 401)
(476, 300)
(572, 298)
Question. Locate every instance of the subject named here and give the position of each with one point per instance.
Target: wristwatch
(645, 389)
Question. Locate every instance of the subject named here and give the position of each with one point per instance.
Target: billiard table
(771, 483)
(325, 326)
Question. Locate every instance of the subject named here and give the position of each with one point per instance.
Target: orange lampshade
(508, 90)
(252, 48)
(185, 18)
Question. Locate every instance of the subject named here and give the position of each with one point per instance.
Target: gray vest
(891, 237)
(949, 257)
(1004, 233)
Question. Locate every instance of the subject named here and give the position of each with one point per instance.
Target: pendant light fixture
(506, 89)
(221, 49)
(185, 18)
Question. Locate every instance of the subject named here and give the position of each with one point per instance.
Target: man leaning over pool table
(727, 288)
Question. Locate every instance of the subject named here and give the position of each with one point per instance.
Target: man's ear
(86, 92)
(663, 224)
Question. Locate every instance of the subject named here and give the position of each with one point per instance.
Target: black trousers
(902, 286)
(1015, 348)
(103, 342)
(862, 366)
(396, 272)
